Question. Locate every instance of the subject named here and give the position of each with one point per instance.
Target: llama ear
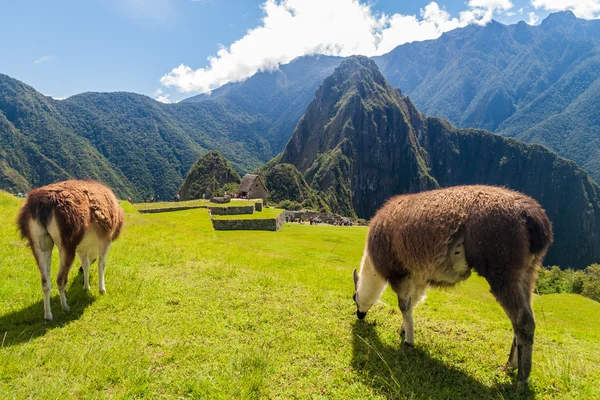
(355, 276)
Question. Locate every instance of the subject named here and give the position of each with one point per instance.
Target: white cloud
(293, 28)
(44, 59)
(533, 18)
(491, 4)
(589, 9)
(159, 95)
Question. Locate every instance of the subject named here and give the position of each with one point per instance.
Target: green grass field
(194, 313)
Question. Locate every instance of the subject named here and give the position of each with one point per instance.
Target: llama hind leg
(66, 261)
(513, 357)
(102, 254)
(517, 305)
(41, 243)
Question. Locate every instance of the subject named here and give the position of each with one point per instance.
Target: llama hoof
(48, 317)
(408, 344)
(507, 368)
(521, 385)
(66, 309)
(102, 291)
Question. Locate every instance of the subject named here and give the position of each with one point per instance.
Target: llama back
(105, 209)
(75, 205)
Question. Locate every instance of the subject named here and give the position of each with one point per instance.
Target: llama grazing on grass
(436, 238)
(80, 217)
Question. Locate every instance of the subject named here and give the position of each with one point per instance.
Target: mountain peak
(359, 68)
(559, 18)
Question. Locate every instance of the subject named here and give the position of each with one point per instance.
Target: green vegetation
(138, 146)
(538, 84)
(288, 188)
(585, 282)
(210, 176)
(266, 213)
(265, 314)
(535, 83)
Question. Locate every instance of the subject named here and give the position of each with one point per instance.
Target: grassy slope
(195, 313)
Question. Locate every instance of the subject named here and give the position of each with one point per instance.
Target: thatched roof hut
(253, 187)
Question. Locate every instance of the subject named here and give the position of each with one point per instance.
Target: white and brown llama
(80, 217)
(436, 238)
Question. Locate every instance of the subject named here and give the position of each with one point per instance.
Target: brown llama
(436, 238)
(80, 217)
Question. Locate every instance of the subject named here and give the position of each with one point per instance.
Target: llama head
(359, 314)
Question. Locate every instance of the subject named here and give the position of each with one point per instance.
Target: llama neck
(370, 284)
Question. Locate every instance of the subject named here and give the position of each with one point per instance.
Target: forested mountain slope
(361, 141)
(133, 143)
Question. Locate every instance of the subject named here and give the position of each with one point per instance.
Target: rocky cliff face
(361, 142)
(355, 144)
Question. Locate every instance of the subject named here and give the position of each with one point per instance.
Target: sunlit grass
(194, 313)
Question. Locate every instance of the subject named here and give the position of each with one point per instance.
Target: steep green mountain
(135, 144)
(538, 84)
(285, 182)
(361, 141)
(38, 145)
(208, 176)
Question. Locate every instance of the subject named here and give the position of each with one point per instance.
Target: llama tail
(539, 228)
(39, 206)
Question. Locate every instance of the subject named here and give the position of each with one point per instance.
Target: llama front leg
(407, 329)
(409, 295)
(102, 254)
(66, 261)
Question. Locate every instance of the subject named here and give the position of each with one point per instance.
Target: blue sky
(65, 47)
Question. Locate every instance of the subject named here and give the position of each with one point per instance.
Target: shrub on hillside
(586, 282)
(591, 284)
(290, 205)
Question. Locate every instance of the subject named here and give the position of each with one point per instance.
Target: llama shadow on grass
(28, 323)
(409, 372)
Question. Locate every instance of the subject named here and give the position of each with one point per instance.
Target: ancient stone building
(253, 187)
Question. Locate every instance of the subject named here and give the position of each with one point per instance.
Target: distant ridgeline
(361, 141)
(131, 142)
(211, 175)
(539, 84)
